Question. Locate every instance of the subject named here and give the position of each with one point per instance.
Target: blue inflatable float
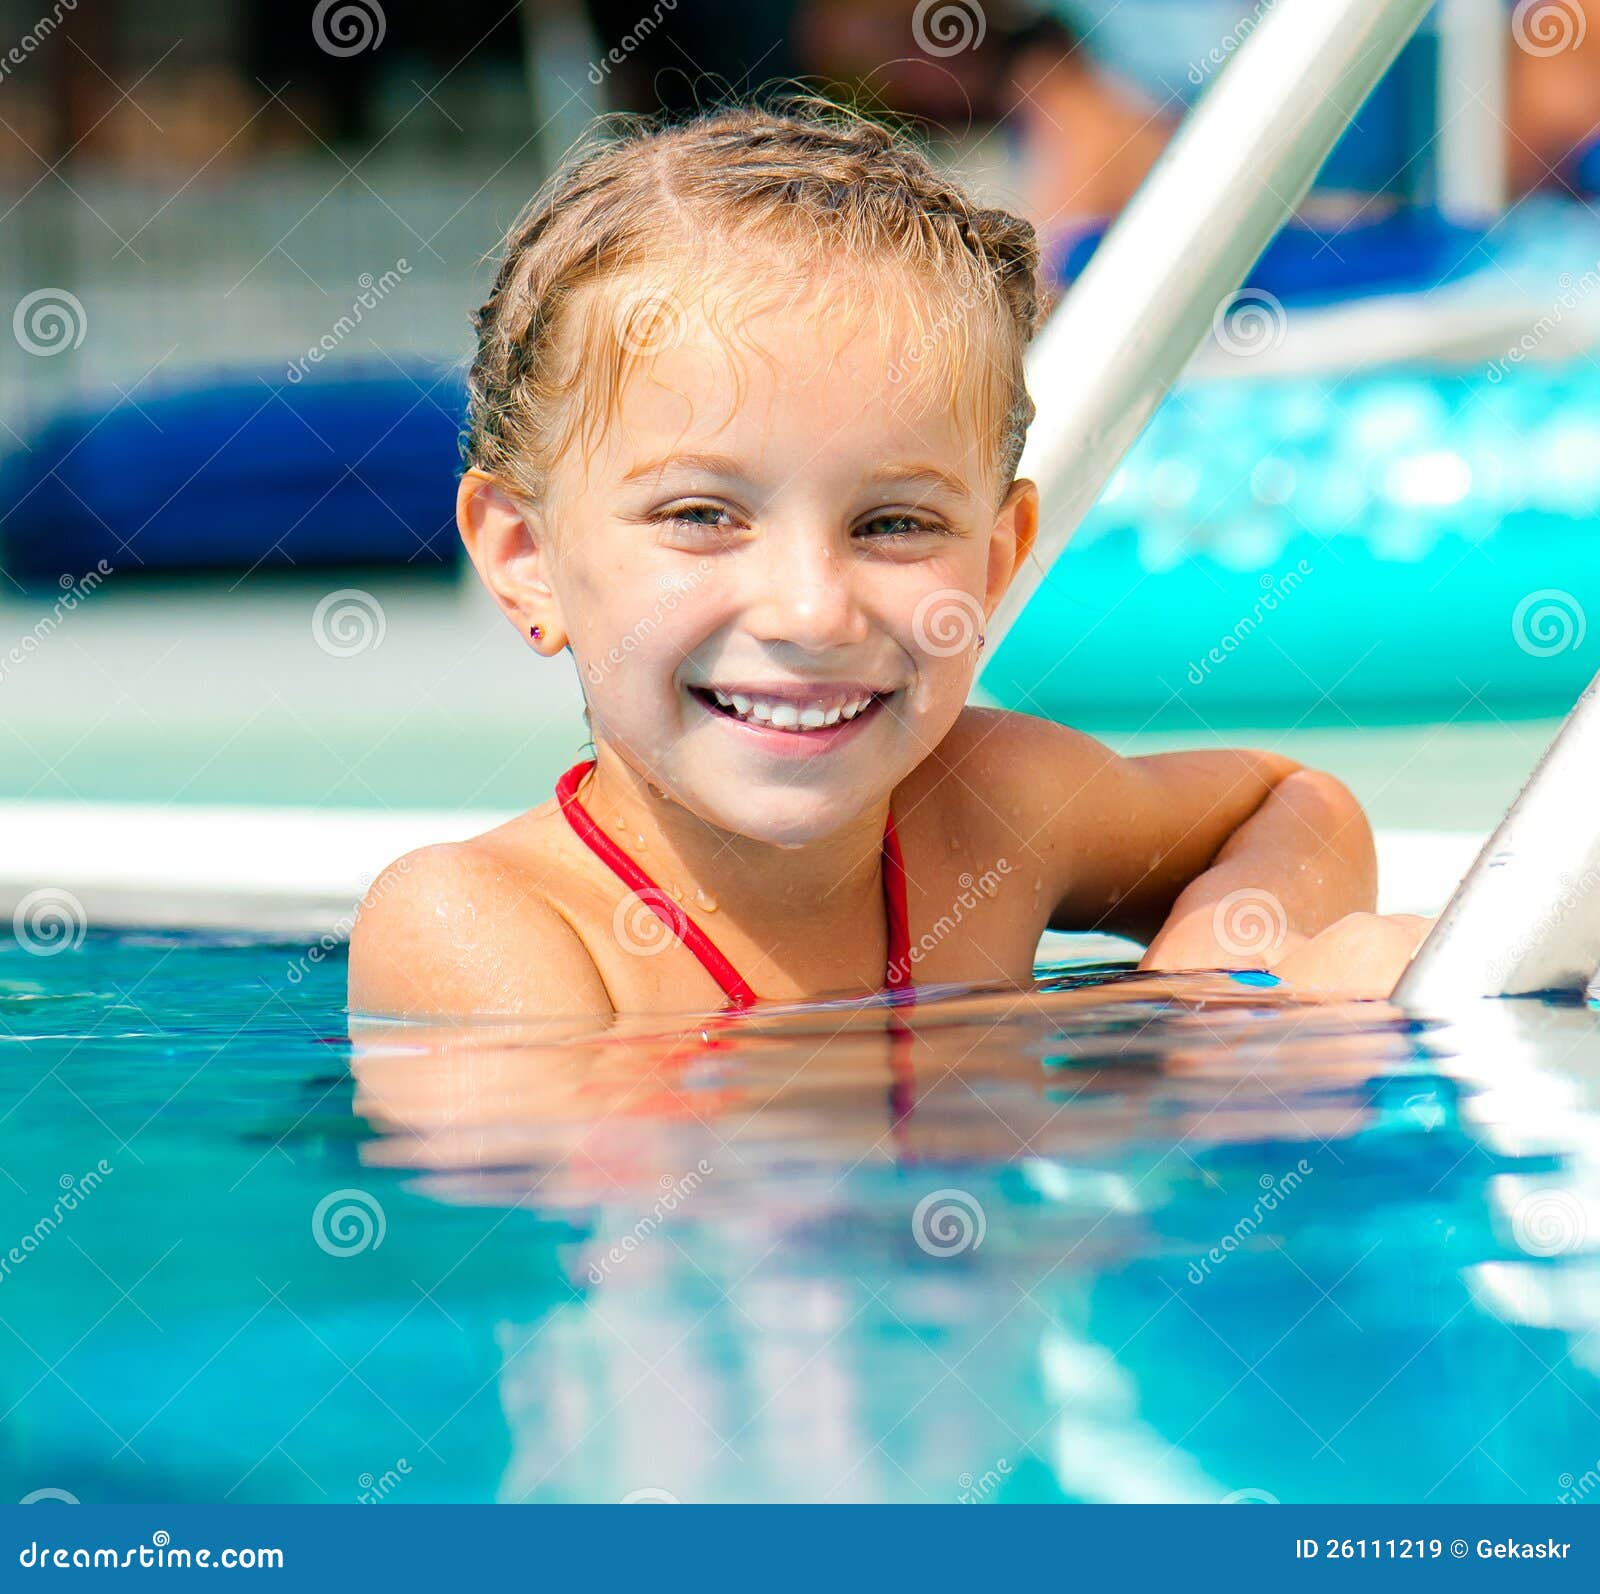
(240, 472)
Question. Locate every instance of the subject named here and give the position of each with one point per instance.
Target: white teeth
(784, 714)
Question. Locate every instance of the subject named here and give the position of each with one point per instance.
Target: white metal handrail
(1236, 171)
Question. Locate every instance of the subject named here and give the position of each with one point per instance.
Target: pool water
(1122, 1239)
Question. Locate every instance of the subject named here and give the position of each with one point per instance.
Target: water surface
(1122, 1239)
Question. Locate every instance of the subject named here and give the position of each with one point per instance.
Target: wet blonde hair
(634, 226)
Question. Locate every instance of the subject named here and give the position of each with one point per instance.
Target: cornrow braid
(817, 182)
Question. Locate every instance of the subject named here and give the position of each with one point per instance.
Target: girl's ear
(513, 558)
(1015, 529)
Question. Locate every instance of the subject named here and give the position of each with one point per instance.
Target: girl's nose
(806, 597)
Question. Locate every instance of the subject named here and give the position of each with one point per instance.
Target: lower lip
(795, 744)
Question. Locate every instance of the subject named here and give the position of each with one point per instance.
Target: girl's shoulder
(1004, 785)
(994, 759)
(475, 926)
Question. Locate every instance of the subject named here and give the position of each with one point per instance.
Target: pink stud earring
(980, 641)
(536, 632)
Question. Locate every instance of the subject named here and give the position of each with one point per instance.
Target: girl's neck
(750, 881)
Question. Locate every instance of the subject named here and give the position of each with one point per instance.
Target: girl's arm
(1231, 859)
(1292, 891)
(1214, 858)
(1300, 863)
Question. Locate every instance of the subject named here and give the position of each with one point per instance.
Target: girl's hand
(1360, 955)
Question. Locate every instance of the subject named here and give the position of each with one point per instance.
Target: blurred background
(239, 244)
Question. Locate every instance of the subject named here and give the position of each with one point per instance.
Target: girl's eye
(900, 528)
(688, 514)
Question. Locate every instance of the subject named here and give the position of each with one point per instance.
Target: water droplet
(675, 892)
(620, 823)
(704, 903)
(639, 843)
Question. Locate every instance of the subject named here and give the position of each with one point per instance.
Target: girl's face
(774, 580)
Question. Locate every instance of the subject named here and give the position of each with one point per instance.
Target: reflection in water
(1144, 1240)
(1122, 1238)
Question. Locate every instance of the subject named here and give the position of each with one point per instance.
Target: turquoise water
(1119, 1240)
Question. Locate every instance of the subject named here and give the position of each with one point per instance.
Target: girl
(744, 420)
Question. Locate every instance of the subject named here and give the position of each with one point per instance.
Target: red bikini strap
(646, 890)
(897, 971)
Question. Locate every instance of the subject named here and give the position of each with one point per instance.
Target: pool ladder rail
(1526, 917)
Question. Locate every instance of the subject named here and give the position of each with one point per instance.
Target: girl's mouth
(820, 717)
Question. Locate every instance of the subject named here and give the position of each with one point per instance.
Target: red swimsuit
(733, 985)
